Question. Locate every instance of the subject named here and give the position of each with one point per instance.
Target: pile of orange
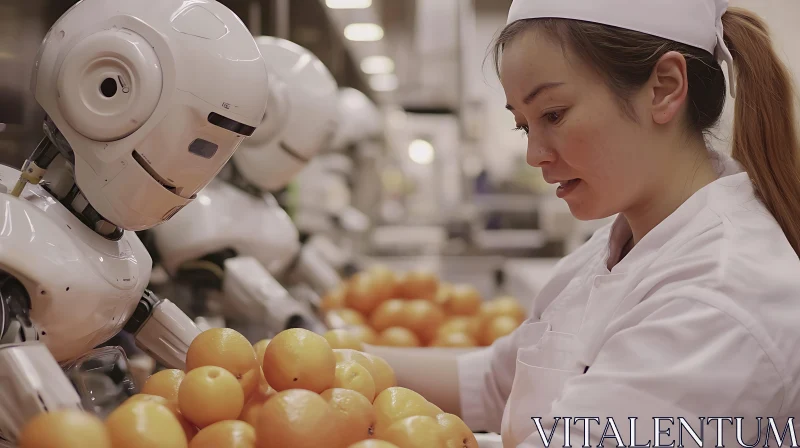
(293, 391)
(416, 309)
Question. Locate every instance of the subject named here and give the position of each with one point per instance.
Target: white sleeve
(684, 358)
(485, 378)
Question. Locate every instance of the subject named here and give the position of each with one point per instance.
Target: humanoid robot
(323, 191)
(145, 102)
(236, 247)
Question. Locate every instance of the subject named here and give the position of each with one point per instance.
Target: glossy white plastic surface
(224, 217)
(31, 382)
(173, 63)
(252, 292)
(83, 287)
(359, 119)
(299, 123)
(167, 335)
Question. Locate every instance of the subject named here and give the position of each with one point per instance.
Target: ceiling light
(421, 152)
(348, 4)
(363, 32)
(383, 83)
(377, 65)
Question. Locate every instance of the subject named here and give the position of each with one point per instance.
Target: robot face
(300, 122)
(153, 96)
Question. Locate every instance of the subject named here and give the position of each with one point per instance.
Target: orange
(252, 408)
(188, 428)
(498, 327)
(263, 386)
(470, 325)
(210, 394)
(388, 314)
(465, 300)
(259, 348)
(418, 285)
(364, 293)
(398, 337)
(454, 340)
(296, 418)
(353, 376)
(504, 306)
(416, 432)
(456, 433)
(509, 306)
(145, 424)
(344, 317)
(397, 403)
(373, 443)
(385, 280)
(69, 428)
(226, 348)
(443, 294)
(363, 333)
(382, 373)
(334, 299)
(225, 434)
(343, 339)
(424, 318)
(164, 384)
(250, 381)
(299, 359)
(357, 417)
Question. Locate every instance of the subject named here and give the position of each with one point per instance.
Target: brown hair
(765, 140)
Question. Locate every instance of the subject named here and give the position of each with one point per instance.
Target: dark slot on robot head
(230, 124)
(143, 163)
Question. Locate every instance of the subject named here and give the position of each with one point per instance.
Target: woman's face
(578, 133)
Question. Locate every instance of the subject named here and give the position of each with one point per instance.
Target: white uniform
(700, 319)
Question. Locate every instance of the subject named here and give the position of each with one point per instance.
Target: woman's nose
(539, 155)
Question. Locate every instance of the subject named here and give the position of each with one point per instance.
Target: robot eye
(108, 87)
(203, 148)
(229, 124)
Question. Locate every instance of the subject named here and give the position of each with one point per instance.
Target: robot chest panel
(81, 287)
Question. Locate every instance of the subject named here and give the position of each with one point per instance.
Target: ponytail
(765, 140)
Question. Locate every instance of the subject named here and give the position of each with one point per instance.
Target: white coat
(700, 319)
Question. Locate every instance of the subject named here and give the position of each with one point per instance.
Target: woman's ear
(670, 87)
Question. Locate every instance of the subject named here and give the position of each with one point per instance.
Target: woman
(687, 306)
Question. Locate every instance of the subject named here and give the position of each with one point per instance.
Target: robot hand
(250, 290)
(31, 382)
(316, 265)
(162, 330)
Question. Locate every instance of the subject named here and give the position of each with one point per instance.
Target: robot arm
(317, 265)
(162, 330)
(252, 291)
(31, 381)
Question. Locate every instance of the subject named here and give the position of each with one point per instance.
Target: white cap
(697, 23)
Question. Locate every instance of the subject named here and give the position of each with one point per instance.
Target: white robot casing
(360, 119)
(184, 76)
(225, 217)
(300, 120)
(82, 287)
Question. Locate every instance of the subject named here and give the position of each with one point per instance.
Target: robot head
(360, 119)
(152, 96)
(300, 120)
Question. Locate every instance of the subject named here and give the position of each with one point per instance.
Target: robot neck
(56, 157)
(233, 176)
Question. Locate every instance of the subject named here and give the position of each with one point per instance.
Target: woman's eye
(554, 117)
(522, 127)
